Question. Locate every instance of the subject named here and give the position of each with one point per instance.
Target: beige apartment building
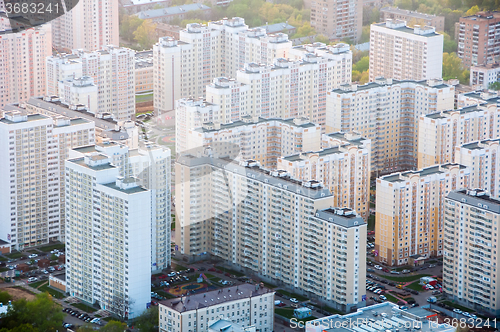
(410, 210)
(143, 72)
(403, 53)
(272, 224)
(386, 112)
(470, 262)
(231, 97)
(344, 168)
(22, 73)
(338, 20)
(263, 140)
(412, 17)
(481, 157)
(246, 305)
(477, 98)
(189, 114)
(440, 133)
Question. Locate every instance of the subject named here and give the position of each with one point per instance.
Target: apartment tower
(403, 53)
(409, 220)
(90, 26)
(32, 195)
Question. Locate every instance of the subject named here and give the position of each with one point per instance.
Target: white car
(458, 311)
(294, 300)
(95, 321)
(32, 279)
(54, 251)
(32, 256)
(171, 274)
(382, 297)
(378, 267)
(394, 272)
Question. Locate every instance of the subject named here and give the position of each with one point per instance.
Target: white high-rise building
(260, 139)
(440, 133)
(22, 69)
(190, 114)
(387, 112)
(482, 158)
(108, 240)
(470, 261)
(403, 53)
(113, 71)
(149, 164)
(231, 98)
(61, 67)
(273, 224)
(343, 168)
(33, 148)
(78, 92)
(90, 25)
(169, 58)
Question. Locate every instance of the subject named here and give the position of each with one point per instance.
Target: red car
(227, 274)
(211, 269)
(282, 304)
(218, 271)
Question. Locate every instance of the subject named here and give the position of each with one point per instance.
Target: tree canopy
(453, 68)
(40, 315)
(148, 321)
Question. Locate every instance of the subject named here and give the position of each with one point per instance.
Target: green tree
(365, 34)
(128, 24)
(148, 321)
(472, 11)
(453, 68)
(449, 45)
(494, 86)
(304, 30)
(362, 65)
(114, 326)
(41, 313)
(145, 34)
(86, 328)
(322, 39)
(5, 297)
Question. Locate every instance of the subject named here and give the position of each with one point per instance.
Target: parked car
(391, 284)
(211, 269)
(383, 298)
(394, 272)
(202, 269)
(171, 274)
(405, 271)
(32, 256)
(458, 311)
(403, 307)
(378, 267)
(294, 300)
(413, 305)
(32, 279)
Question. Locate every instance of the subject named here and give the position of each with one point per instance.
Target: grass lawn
(179, 267)
(37, 284)
(391, 298)
(84, 307)
(288, 313)
(329, 309)
(371, 223)
(3, 269)
(97, 316)
(51, 291)
(143, 98)
(415, 286)
(458, 306)
(108, 319)
(407, 278)
(293, 295)
(52, 247)
(236, 273)
(172, 226)
(15, 255)
(271, 286)
(165, 294)
(3, 259)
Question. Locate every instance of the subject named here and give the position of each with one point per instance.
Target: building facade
(440, 133)
(80, 92)
(386, 112)
(481, 158)
(22, 73)
(61, 67)
(403, 53)
(246, 305)
(91, 25)
(263, 140)
(244, 208)
(482, 76)
(470, 260)
(337, 20)
(108, 253)
(343, 168)
(477, 41)
(412, 17)
(32, 196)
(409, 208)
